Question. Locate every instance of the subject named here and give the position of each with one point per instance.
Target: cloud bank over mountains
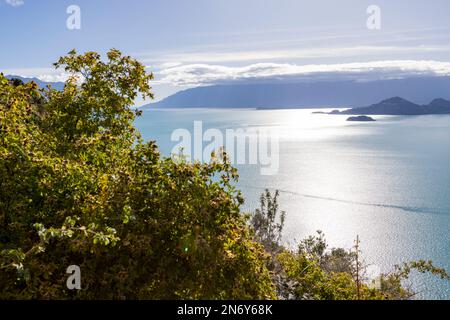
(177, 76)
(43, 74)
(207, 74)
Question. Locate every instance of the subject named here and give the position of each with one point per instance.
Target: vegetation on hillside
(78, 186)
(315, 272)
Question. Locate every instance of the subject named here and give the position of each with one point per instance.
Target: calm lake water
(386, 181)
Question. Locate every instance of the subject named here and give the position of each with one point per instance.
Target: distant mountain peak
(400, 106)
(395, 100)
(325, 94)
(40, 83)
(439, 102)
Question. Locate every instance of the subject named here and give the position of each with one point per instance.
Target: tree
(78, 186)
(267, 222)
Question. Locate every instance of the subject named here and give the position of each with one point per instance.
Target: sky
(188, 43)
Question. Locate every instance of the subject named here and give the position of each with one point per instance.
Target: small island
(361, 118)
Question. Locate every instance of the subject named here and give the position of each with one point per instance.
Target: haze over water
(387, 181)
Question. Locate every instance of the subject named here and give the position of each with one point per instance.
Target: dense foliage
(78, 186)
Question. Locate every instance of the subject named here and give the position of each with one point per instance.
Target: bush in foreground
(78, 186)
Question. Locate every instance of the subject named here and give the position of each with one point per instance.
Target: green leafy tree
(79, 186)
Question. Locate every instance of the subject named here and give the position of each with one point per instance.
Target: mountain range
(400, 106)
(40, 83)
(314, 95)
(307, 94)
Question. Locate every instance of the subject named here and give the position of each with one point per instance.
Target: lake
(387, 181)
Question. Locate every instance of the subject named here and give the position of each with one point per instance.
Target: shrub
(79, 186)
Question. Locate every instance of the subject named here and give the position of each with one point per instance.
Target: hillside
(400, 106)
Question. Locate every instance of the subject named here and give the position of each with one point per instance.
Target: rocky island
(361, 118)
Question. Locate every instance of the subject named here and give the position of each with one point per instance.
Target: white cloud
(15, 3)
(204, 74)
(191, 75)
(294, 54)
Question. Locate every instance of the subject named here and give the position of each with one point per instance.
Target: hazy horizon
(216, 42)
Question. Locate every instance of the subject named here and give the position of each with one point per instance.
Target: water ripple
(380, 205)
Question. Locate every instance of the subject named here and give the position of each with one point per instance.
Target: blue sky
(188, 43)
